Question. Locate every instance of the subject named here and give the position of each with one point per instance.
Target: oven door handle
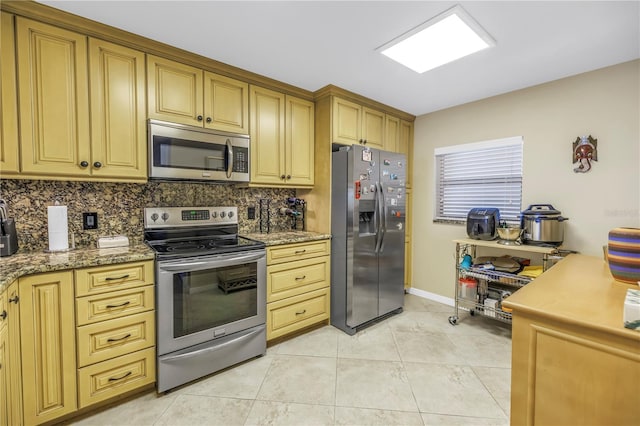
(211, 348)
(210, 263)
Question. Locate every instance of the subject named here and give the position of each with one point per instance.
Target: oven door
(200, 299)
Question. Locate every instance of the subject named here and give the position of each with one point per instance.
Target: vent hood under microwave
(180, 152)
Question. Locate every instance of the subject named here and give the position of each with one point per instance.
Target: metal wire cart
(480, 291)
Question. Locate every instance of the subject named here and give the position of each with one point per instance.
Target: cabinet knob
(199, 118)
(84, 164)
(97, 164)
(209, 120)
(282, 177)
(288, 177)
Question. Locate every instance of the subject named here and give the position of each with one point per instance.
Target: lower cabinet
(48, 346)
(298, 281)
(71, 358)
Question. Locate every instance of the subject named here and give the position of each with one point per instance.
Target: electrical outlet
(251, 212)
(90, 220)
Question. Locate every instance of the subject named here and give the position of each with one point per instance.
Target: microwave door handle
(229, 158)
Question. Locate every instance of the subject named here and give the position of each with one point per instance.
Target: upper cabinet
(282, 139)
(184, 94)
(355, 124)
(118, 120)
(68, 128)
(54, 100)
(392, 134)
(8, 103)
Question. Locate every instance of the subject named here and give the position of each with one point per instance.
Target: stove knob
(154, 217)
(222, 214)
(214, 214)
(165, 216)
(230, 214)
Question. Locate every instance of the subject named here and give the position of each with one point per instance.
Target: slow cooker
(542, 225)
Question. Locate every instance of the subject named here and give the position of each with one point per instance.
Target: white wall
(602, 103)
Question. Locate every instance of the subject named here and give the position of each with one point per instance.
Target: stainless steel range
(210, 292)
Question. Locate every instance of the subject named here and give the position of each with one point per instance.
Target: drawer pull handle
(117, 278)
(3, 315)
(114, 379)
(301, 278)
(14, 299)
(117, 339)
(301, 312)
(119, 306)
(301, 251)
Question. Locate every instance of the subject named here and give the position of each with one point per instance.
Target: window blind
(481, 174)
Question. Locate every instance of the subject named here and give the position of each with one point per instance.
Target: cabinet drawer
(109, 339)
(107, 379)
(289, 252)
(101, 279)
(294, 313)
(116, 304)
(293, 278)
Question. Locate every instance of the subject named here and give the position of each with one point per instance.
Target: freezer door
(362, 276)
(391, 241)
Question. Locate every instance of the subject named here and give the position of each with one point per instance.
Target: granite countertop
(35, 262)
(288, 237)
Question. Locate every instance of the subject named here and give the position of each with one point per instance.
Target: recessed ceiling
(310, 44)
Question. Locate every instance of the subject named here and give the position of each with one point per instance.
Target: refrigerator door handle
(383, 218)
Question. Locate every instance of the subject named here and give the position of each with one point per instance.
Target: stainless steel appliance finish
(367, 246)
(542, 225)
(210, 292)
(184, 152)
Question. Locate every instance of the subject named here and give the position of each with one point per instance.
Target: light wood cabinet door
(267, 131)
(118, 112)
(346, 126)
(8, 105)
(392, 133)
(15, 371)
(5, 395)
(174, 91)
(48, 346)
(299, 142)
(405, 146)
(372, 128)
(226, 103)
(53, 98)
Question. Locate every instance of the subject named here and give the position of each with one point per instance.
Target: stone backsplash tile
(120, 206)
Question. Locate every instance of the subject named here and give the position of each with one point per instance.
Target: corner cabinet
(282, 139)
(10, 371)
(70, 128)
(8, 103)
(188, 95)
(298, 282)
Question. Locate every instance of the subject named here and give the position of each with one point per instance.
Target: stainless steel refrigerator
(368, 203)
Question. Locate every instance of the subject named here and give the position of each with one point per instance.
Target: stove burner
(187, 245)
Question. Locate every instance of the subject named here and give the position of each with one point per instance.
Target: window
(481, 174)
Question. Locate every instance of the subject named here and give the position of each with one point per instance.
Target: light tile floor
(411, 369)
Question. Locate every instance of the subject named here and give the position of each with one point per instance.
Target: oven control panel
(165, 217)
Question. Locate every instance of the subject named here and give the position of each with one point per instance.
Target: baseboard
(431, 296)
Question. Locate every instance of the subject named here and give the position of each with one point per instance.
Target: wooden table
(573, 362)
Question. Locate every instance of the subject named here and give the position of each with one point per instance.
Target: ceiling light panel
(445, 38)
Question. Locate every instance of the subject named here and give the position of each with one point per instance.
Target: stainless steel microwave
(184, 152)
